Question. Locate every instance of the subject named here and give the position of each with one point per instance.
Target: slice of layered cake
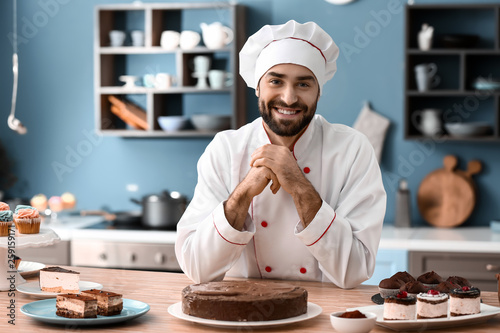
(76, 306)
(432, 304)
(400, 307)
(59, 280)
(465, 301)
(108, 303)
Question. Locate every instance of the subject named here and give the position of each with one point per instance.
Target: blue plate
(45, 311)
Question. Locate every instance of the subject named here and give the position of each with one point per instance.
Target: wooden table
(160, 290)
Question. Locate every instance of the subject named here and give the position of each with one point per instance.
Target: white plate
(487, 312)
(313, 310)
(28, 268)
(45, 311)
(33, 288)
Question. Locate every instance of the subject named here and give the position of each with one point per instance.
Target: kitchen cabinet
(56, 254)
(387, 263)
(478, 268)
(182, 99)
(458, 68)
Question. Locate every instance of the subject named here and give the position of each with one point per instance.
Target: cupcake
(430, 279)
(446, 287)
(389, 287)
(458, 280)
(27, 221)
(68, 200)
(55, 204)
(414, 288)
(4, 206)
(403, 276)
(39, 201)
(6, 218)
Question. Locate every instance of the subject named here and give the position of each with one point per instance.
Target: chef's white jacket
(339, 245)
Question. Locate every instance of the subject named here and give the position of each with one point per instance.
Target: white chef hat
(291, 43)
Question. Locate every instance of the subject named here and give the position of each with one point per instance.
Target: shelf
(454, 96)
(173, 90)
(156, 50)
(454, 52)
(158, 133)
(183, 97)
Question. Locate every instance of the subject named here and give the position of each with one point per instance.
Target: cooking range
(129, 245)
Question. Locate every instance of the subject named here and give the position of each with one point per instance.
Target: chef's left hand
(281, 161)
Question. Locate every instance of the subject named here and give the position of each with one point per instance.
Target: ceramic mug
(170, 39)
(164, 81)
(137, 37)
(219, 79)
(117, 37)
(426, 77)
(149, 80)
(427, 121)
(189, 39)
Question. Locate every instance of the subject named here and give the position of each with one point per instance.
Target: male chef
(289, 195)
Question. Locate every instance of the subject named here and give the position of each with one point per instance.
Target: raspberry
(433, 292)
(402, 294)
(465, 288)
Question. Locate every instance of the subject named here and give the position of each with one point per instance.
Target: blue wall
(56, 104)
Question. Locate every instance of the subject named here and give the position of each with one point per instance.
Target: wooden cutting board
(446, 197)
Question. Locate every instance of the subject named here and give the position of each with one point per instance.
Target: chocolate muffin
(403, 276)
(413, 288)
(430, 279)
(389, 287)
(446, 287)
(460, 281)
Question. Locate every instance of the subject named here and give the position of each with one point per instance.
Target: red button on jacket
(268, 269)
(307, 170)
(264, 224)
(303, 270)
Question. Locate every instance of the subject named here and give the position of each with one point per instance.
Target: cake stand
(10, 277)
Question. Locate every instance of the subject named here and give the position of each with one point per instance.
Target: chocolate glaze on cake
(58, 269)
(244, 300)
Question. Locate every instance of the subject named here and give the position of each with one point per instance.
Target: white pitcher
(427, 121)
(215, 35)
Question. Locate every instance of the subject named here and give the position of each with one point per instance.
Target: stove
(111, 225)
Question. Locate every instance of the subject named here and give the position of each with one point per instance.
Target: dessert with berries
(465, 301)
(432, 304)
(400, 307)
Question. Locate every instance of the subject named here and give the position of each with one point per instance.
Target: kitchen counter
(73, 227)
(160, 290)
(466, 239)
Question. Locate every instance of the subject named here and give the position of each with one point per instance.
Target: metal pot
(162, 211)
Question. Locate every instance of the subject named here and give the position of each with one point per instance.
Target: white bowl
(353, 325)
(211, 122)
(468, 129)
(172, 123)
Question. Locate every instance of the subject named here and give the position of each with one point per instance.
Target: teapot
(215, 35)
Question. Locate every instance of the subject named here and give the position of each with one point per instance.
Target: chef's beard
(282, 127)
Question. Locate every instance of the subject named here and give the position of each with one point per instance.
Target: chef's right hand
(256, 180)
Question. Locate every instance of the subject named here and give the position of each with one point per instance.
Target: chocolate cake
(244, 300)
(400, 307)
(108, 303)
(465, 301)
(76, 306)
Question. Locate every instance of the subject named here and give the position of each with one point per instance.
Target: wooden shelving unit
(457, 68)
(181, 99)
